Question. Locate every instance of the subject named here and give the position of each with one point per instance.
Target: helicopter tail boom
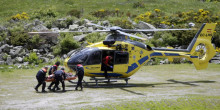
(199, 51)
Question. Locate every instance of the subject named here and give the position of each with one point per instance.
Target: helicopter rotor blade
(47, 32)
(153, 30)
(130, 35)
(92, 24)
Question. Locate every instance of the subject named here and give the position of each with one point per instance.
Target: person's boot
(76, 88)
(44, 91)
(58, 88)
(54, 89)
(36, 89)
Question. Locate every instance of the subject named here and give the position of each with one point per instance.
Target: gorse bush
(22, 16)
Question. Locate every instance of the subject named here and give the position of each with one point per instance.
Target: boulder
(9, 60)
(2, 62)
(106, 23)
(18, 59)
(6, 48)
(46, 60)
(40, 28)
(73, 27)
(2, 28)
(144, 25)
(37, 22)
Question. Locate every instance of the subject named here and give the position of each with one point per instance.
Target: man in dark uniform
(106, 61)
(41, 76)
(51, 72)
(80, 74)
(59, 77)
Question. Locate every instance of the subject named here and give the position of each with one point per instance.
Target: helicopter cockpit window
(94, 58)
(121, 57)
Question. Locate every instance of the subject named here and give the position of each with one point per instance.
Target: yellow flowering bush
(21, 16)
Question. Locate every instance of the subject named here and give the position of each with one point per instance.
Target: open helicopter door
(121, 61)
(104, 54)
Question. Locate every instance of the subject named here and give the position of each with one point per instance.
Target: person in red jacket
(107, 64)
(51, 72)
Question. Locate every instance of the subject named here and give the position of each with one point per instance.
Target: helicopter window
(121, 57)
(95, 58)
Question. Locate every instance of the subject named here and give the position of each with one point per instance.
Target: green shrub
(95, 37)
(66, 43)
(139, 4)
(18, 36)
(49, 13)
(33, 58)
(74, 12)
(34, 41)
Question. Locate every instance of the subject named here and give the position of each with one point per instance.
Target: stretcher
(69, 76)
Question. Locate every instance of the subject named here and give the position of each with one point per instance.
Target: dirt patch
(147, 84)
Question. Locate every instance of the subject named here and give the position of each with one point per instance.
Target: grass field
(157, 87)
(12, 7)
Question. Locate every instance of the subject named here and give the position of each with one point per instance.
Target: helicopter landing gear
(108, 80)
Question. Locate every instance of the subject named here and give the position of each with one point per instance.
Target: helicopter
(129, 56)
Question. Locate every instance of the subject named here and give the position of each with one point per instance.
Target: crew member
(80, 74)
(41, 76)
(59, 77)
(106, 61)
(51, 72)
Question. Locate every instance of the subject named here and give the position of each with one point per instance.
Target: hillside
(12, 7)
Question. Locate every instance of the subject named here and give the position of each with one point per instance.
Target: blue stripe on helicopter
(156, 54)
(172, 54)
(142, 60)
(193, 56)
(109, 74)
(132, 67)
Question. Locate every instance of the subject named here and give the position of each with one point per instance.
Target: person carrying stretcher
(59, 77)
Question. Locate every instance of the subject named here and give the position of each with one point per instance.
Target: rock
(163, 26)
(86, 21)
(40, 28)
(12, 53)
(25, 63)
(73, 27)
(215, 61)
(2, 62)
(90, 29)
(6, 48)
(19, 59)
(50, 56)
(46, 60)
(144, 25)
(35, 50)
(10, 67)
(37, 22)
(64, 56)
(79, 38)
(106, 23)
(9, 60)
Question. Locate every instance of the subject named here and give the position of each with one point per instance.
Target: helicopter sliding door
(121, 62)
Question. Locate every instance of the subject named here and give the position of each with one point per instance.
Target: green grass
(9, 8)
(185, 103)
